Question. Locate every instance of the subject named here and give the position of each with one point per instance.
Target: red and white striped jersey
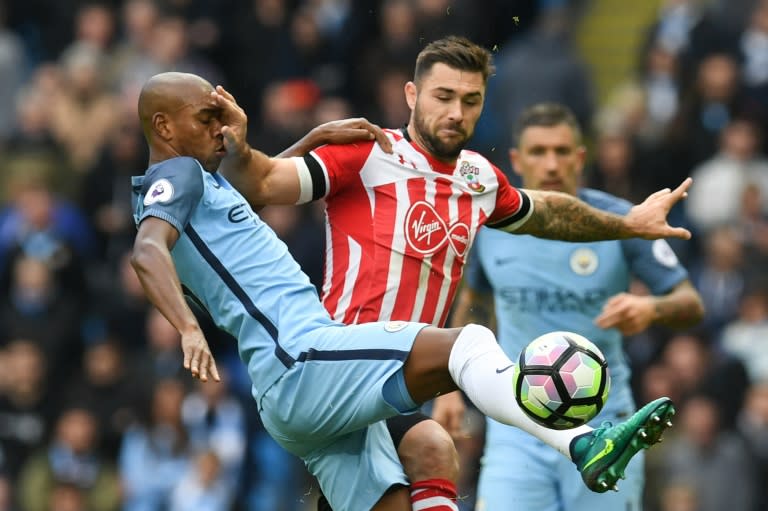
(399, 226)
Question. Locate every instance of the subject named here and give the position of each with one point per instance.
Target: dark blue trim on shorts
(334, 355)
(239, 293)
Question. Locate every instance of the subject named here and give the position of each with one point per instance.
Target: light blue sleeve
(171, 190)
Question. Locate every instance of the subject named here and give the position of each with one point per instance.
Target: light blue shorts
(329, 409)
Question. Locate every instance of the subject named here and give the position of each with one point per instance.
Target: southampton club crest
(470, 174)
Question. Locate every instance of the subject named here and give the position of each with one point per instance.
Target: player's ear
(581, 154)
(410, 94)
(514, 157)
(161, 126)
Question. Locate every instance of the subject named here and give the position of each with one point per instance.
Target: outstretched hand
(198, 359)
(347, 131)
(649, 219)
(234, 123)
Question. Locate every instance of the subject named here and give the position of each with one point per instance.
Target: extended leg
(471, 359)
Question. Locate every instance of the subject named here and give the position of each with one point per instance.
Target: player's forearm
(560, 216)
(681, 308)
(308, 142)
(249, 172)
(158, 277)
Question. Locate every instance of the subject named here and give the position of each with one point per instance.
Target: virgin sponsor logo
(427, 233)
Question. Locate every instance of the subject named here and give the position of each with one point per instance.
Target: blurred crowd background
(95, 411)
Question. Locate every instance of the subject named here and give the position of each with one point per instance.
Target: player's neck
(437, 164)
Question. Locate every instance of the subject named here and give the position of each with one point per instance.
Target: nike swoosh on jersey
(602, 454)
(499, 371)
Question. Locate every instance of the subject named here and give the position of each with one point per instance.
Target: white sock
(473, 365)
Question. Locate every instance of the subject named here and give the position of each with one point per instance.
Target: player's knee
(428, 452)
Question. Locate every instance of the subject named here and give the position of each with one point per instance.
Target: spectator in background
(41, 223)
(697, 367)
(120, 304)
(286, 113)
(134, 42)
(388, 107)
(172, 48)
(160, 358)
(396, 46)
(105, 194)
(645, 105)
(106, 388)
(753, 427)
(157, 43)
(315, 55)
(156, 453)
(13, 70)
(83, 113)
(40, 309)
(258, 39)
(32, 137)
(553, 73)
(722, 179)
(614, 168)
(71, 457)
(67, 497)
(746, 337)
(678, 496)
(94, 29)
(26, 404)
(204, 486)
(32, 133)
(6, 492)
(719, 277)
(436, 19)
(754, 53)
(714, 461)
(215, 421)
(713, 100)
(691, 30)
(753, 229)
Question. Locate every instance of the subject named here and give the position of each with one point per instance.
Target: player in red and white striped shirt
(400, 225)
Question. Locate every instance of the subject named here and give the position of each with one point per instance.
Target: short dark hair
(455, 52)
(546, 115)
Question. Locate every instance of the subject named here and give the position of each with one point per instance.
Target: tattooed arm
(560, 216)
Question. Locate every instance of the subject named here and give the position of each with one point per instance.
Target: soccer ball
(561, 380)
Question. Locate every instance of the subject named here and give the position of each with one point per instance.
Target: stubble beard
(433, 144)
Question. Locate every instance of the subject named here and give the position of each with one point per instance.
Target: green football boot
(602, 455)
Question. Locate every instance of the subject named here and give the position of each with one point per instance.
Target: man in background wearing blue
(543, 285)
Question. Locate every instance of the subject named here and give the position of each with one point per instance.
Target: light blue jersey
(318, 384)
(543, 285)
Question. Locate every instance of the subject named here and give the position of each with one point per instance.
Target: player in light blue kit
(542, 285)
(322, 388)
